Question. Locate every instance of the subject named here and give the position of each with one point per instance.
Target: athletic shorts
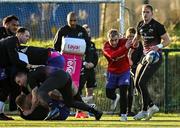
(88, 78)
(116, 80)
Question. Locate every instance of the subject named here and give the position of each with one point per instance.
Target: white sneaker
(151, 111)
(114, 102)
(140, 115)
(123, 117)
(92, 105)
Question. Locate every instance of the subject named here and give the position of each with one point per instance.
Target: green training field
(111, 121)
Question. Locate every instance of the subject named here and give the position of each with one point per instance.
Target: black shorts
(88, 78)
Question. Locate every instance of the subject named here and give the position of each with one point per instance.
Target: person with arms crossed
(151, 32)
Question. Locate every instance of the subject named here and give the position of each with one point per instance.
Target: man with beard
(10, 25)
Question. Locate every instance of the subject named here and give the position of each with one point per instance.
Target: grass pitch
(107, 121)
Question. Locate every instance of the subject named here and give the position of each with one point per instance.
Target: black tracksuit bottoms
(62, 82)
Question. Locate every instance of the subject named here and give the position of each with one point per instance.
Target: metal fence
(164, 86)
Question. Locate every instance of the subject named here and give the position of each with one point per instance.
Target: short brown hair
(20, 100)
(21, 30)
(148, 6)
(112, 33)
(130, 30)
(9, 18)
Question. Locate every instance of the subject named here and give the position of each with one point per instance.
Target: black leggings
(143, 74)
(110, 93)
(62, 82)
(130, 94)
(5, 89)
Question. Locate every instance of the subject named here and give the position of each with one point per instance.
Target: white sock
(124, 115)
(1, 107)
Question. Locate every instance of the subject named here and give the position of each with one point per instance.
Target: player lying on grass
(24, 103)
(48, 79)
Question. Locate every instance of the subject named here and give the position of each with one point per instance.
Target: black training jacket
(9, 53)
(4, 33)
(36, 55)
(66, 31)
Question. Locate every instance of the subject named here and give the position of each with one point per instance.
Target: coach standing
(73, 30)
(10, 25)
